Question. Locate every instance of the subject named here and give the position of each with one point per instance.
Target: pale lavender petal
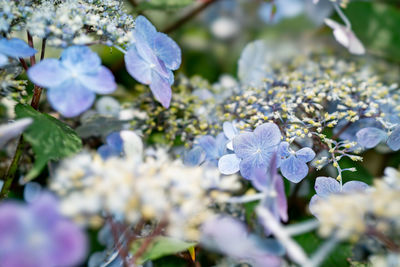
(394, 139)
(248, 167)
(324, 186)
(102, 82)
(195, 156)
(244, 145)
(354, 186)
(281, 198)
(313, 201)
(161, 90)
(70, 98)
(48, 73)
(220, 141)
(208, 144)
(16, 48)
(137, 67)
(294, 169)
(230, 130)
(45, 209)
(229, 164)
(168, 51)
(80, 60)
(261, 180)
(144, 28)
(305, 154)
(370, 137)
(268, 134)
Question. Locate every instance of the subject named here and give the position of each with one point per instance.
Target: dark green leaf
(50, 138)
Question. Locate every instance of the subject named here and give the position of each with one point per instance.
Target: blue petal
(194, 157)
(394, 139)
(71, 98)
(144, 28)
(161, 90)
(208, 144)
(283, 152)
(305, 154)
(268, 134)
(114, 140)
(48, 73)
(220, 142)
(354, 186)
(3, 60)
(248, 167)
(244, 145)
(294, 169)
(102, 82)
(229, 164)
(80, 59)
(106, 152)
(324, 186)
(168, 51)
(137, 67)
(261, 180)
(230, 130)
(16, 48)
(370, 137)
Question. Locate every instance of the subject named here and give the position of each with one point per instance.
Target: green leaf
(377, 26)
(50, 138)
(163, 4)
(160, 247)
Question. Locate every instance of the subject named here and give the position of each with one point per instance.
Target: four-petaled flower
(74, 80)
(152, 58)
(325, 186)
(37, 235)
(253, 150)
(294, 164)
(14, 48)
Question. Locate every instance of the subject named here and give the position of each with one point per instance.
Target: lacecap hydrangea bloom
(152, 58)
(37, 235)
(74, 80)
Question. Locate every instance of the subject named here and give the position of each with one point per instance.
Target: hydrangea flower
(208, 148)
(123, 143)
(346, 37)
(152, 58)
(293, 165)
(36, 235)
(14, 48)
(74, 80)
(253, 150)
(326, 186)
(370, 137)
(231, 237)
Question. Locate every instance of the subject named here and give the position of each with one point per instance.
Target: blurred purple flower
(326, 186)
(36, 235)
(230, 237)
(74, 80)
(253, 150)
(208, 148)
(14, 48)
(294, 164)
(152, 58)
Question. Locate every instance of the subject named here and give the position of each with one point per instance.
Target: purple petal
(370, 137)
(208, 144)
(114, 140)
(69, 245)
(11, 215)
(261, 180)
(324, 186)
(102, 82)
(168, 51)
(81, 60)
(248, 166)
(137, 67)
(229, 164)
(161, 90)
(281, 198)
(354, 186)
(268, 134)
(305, 154)
(394, 139)
(48, 73)
(70, 98)
(45, 210)
(294, 169)
(16, 48)
(244, 145)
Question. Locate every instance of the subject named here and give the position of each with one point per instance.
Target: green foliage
(50, 138)
(164, 4)
(377, 26)
(162, 246)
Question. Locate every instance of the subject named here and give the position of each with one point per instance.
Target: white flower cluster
(69, 22)
(157, 189)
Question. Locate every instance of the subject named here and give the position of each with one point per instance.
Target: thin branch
(188, 16)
